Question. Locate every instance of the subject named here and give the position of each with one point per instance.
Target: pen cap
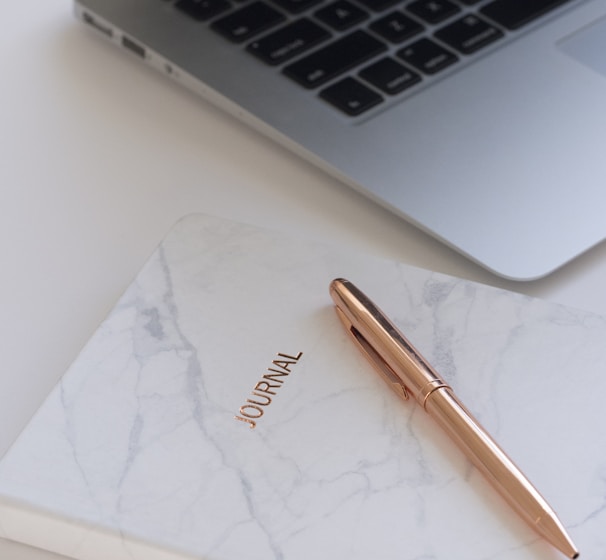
(385, 345)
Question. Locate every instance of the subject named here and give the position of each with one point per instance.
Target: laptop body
(499, 154)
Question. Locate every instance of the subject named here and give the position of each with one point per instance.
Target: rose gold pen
(408, 373)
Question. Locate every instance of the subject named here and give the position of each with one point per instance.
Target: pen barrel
(497, 467)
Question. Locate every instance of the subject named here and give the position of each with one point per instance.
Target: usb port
(98, 26)
(133, 47)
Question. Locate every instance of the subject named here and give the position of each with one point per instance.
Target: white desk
(100, 156)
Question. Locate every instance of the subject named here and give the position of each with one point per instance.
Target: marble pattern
(136, 453)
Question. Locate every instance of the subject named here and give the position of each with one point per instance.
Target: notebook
(141, 451)
(482, 122)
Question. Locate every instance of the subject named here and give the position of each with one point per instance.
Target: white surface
(138, 452)
(100, 156)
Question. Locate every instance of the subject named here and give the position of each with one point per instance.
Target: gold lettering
(266, 397)
(266, 386)
(252, 423)
(289, 357)
(254, 407)
(252, 411)
(276, 373)
(283, 364)
(287, 362)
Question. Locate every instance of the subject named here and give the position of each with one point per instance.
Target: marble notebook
(138, 452)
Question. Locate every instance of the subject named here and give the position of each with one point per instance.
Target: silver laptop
(483, 122)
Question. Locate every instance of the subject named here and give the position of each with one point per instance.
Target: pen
(409, 374)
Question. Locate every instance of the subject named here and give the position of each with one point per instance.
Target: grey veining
(137, 451)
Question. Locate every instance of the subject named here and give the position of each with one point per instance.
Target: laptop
(482, 122)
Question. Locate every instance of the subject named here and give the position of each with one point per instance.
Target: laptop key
(328, 62)
(433, 11)
(514, 14)
(427, 56)
(390, 76)
(378, 5)
(341, 15)
(288, 41)
(296, 6)
(246, 22)
(202, 10)
(351, 96)
(396, 27)
(469, 34)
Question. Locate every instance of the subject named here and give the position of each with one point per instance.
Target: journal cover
(221, 412)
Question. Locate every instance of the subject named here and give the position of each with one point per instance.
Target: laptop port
(133, 47)
(106, 30)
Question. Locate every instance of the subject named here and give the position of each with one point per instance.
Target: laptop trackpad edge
(588, 46)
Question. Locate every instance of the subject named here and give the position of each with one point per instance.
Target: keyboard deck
(356, 54)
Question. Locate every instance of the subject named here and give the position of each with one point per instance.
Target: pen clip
(374, 358)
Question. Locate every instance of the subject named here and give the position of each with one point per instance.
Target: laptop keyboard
(356, 54)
